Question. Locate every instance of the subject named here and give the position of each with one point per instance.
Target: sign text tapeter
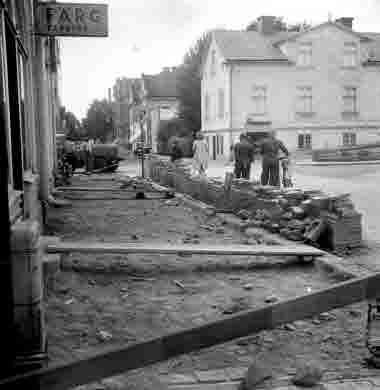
(72, 19)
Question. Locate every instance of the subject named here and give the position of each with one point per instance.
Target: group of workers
(272, 150)
(80, 153)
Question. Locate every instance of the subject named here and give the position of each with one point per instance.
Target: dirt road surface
(104, 300)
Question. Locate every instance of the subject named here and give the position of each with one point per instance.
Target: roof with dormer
(254, 46)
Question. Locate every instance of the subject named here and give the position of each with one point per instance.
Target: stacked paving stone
(328, 221)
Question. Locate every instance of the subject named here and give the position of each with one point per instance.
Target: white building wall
(211, 84)
(327, 79)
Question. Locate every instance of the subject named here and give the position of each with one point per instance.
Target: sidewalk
(230, 378)
(335, 163)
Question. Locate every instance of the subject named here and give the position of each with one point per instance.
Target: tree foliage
(174, 129)
(70, 124)
(281, 25)
(189, 85)
(98, 122)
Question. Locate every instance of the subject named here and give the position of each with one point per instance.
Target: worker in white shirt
(89, 155)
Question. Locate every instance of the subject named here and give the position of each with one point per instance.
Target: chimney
(346, 21)
(266, 24)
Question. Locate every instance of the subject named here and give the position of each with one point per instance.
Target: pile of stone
(330, 222)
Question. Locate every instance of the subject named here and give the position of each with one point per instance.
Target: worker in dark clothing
(244, 156)
(176, 152)
(270, 150)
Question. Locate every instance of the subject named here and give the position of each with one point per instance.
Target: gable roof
(249, 45)
(162, 85)
(242, 45)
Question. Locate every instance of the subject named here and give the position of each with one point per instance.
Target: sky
(147, 35)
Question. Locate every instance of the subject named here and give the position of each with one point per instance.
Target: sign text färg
(72, 19)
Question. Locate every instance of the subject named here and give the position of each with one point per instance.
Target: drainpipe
(230, 108)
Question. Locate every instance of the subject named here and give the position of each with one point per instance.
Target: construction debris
(327, 221)
(308, 374)
(256, 374)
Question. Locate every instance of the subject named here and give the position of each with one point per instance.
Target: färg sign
(72, 19)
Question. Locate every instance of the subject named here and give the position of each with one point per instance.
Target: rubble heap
(327, 221)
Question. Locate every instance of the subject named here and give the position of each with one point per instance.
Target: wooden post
(227, 189)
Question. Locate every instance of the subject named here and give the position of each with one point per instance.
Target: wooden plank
(121, 248)
(105, 189)
(117, 361)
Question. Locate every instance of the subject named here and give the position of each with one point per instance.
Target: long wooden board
(105, 189)
(125, 248)
(117, 361)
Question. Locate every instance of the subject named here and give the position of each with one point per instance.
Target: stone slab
(184, 379)
(211, 376)
(236, 373)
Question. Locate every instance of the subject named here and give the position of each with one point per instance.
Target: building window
(304, 141)
(259, 97)
(350, 55)
(213, 63)
(349, 139)
(220, 104)
(219, 145)
(207, 107)
(305, 54)
(304, 100)
(350, 100)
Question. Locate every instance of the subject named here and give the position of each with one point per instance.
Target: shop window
(349, 139)
(219, 145)
(304, 141)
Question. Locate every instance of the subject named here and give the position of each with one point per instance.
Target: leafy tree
(98, 122)
(189, 85)
(280, 25)
(70, 124)
(173, 129)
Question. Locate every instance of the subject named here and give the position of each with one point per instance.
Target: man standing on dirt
(244, 156)
(176, 151)
(89, 155)
(270, 149)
